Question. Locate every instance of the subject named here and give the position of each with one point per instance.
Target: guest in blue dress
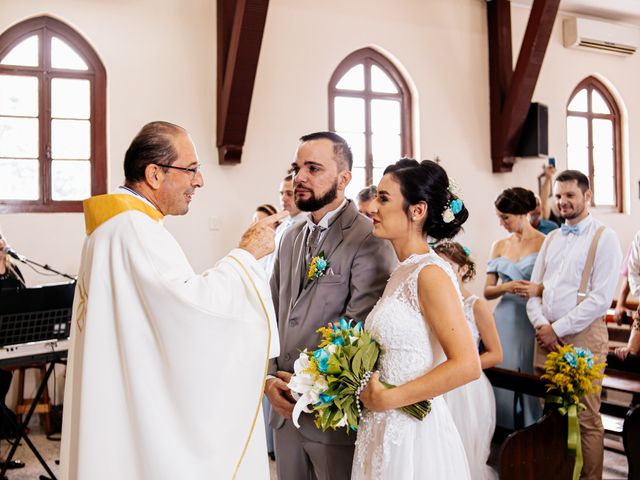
(508, 274)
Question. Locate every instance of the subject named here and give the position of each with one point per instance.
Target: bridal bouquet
(572, 373)
(328, 380)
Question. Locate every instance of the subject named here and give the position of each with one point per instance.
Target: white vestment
(166, 369)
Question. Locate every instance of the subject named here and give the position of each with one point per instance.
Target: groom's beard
(314, 203)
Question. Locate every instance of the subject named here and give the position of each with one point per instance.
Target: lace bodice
(388, 440)
(396, 322)
(468, 304)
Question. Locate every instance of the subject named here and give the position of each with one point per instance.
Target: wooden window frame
(368, 57)
(46, 27)
(591, 83)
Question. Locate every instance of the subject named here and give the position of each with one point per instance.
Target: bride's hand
(372, 396)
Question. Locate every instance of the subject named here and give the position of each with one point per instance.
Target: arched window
(52, 118)
(594, 141)
(370, 106)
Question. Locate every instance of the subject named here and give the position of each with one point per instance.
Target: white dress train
(473, 408)
(392, 444)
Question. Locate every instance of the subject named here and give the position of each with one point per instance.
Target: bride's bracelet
(363, 384)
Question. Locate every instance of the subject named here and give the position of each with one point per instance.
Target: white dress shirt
(633, 270)
(564, 263)
(324, 221)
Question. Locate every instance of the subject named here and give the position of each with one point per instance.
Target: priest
(166, 367)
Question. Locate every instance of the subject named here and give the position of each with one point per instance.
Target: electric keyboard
(34, 352)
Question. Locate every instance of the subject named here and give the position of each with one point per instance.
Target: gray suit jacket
(360, 265)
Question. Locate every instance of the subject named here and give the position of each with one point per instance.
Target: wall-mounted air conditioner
(600, 36)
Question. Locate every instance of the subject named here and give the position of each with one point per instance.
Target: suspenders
(588, 266)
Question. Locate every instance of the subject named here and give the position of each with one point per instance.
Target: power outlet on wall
(214, 224)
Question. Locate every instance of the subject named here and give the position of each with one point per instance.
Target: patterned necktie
(312, 242)
(567, 229)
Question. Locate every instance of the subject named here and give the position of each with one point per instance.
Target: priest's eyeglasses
(193, 170)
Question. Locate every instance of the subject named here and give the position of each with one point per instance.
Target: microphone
(12, 253)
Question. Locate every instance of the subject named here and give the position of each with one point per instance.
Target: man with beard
(359, 265)
(578, 268)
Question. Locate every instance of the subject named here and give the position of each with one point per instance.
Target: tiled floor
(615, 463)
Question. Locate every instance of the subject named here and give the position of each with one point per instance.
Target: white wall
(161, 64)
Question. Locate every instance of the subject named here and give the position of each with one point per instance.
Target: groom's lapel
(297, 264)
(329, 245)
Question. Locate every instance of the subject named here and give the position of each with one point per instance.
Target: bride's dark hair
(428, 182)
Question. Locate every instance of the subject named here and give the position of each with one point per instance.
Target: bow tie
(567, 229)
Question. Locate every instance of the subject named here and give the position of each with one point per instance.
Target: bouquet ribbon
(574, 444)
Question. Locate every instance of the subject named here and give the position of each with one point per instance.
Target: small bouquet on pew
(572, 373)
(328, 380)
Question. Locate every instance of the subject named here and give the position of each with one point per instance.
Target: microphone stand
(26, 261)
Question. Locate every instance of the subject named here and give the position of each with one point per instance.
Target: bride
(427, 347)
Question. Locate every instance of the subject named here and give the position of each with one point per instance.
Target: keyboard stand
(21, 428)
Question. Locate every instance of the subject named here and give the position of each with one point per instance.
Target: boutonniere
(317, 267)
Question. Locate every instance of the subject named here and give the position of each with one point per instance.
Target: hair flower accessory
(454, 188)
(317, 267)
(466, 250)
(456, 206)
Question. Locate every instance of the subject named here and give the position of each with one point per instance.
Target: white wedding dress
(392, 445)
(473, 407)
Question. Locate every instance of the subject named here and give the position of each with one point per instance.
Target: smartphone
(552, 162)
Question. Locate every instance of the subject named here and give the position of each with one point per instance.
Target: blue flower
(456, 206)
(358, 327)
(344, 325)
(571, 359)
(324, 398)
(467, 252)
(338, 341)
(321, 356)
(321, 264)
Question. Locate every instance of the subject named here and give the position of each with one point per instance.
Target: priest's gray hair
(152, 145)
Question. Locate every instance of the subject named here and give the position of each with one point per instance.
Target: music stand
(33, 320)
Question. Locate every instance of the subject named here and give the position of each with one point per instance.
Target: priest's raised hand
(259, 238)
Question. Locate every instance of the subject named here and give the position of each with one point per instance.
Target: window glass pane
(604, 192)
(70, 180)
(356, 184)
(19, 179)
(381, 82)
(353, 79)
(349, 114)
(18, 137)
(25, 54)
(385, 116)
(18, 96)
(70, 139)
(602, 133)
(385, 149)
(63, 56)
(577, 144)
(356, 142)
(598, 105)
(377, 175)
(70, 98)
(603, 163)
(579, 102)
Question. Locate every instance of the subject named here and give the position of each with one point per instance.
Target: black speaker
(534, 141)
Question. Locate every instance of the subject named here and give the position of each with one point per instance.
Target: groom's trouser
(298, 458)
(595, 337)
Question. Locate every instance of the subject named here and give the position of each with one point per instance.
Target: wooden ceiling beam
(511, 91)
(240, 31)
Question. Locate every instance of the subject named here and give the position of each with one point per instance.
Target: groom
(359, 266)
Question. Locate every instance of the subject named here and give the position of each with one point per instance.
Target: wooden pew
(631, 439)
(540, 450)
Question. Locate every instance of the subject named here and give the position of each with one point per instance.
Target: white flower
(331, 348)
(448, 215)
(342, 422)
